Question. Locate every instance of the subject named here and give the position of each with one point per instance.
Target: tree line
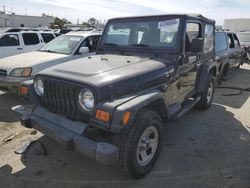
(60, 23)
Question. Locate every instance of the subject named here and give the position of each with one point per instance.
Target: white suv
(18, 68)
(13, 43)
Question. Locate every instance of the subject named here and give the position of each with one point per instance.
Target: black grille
(62, 98)
(3, 73)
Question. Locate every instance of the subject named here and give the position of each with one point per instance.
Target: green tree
(59, 23)
(93, 22)
(85, 25)
(46, 15)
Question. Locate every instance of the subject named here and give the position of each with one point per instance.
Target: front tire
(207, 96)
(140, 144)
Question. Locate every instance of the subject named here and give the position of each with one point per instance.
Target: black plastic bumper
(68, 133)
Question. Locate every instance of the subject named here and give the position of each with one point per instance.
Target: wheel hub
(147, 146)
(210, 93)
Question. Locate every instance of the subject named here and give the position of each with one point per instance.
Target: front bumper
(68, 133)
(11, 83)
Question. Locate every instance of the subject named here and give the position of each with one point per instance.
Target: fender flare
(134, 106)
(224, 63)
(203, 74)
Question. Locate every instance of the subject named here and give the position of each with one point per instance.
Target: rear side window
(30, 38)
(236, 41)
(9, 40)
(209, 38)
(47, 37)
(220, 42)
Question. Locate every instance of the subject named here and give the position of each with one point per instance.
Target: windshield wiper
(110, 44)
(50, 51)
(140, 45)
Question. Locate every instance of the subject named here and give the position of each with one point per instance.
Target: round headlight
(86, 99)
(39, 87)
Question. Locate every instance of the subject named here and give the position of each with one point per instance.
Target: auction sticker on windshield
(169, 25)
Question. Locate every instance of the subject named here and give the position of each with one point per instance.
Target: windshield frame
(138, 47)
(82, 38)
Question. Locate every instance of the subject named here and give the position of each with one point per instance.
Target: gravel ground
(202, 149)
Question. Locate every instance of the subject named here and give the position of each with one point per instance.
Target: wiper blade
(140, 45)
(51, 51)
(110, 44)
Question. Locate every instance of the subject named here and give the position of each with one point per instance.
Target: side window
(236, 41)
(10, 40)
(230, 40)
(220, 42)
(30, 38)
(47, 37)
(193, 30)
(91, 43)
(209, 38)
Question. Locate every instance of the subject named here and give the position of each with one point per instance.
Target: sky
(105, 9)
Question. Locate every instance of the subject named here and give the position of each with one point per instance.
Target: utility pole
(4, 9)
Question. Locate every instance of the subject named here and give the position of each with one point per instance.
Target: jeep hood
(121, 74)
(29, 59)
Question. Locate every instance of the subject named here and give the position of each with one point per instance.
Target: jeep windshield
(64, 44)
(142, 33)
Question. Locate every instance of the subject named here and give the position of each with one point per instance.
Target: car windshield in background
(64, 44)
(244, 37)
(156, 33)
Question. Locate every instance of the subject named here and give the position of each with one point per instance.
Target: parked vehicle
(18, 68)
(229, 53)
(13, 43)
(244, 38)
(147, 70)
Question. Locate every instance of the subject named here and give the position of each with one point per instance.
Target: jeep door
(233, 51)
(190, 60)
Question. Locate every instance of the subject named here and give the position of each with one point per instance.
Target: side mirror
(83, 50)
(196, 45)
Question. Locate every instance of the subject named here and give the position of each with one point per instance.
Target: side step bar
(188, 106)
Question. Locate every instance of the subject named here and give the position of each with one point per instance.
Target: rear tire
(207, 96)
(140, 144)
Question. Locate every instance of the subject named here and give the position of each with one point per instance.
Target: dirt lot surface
(202, 149)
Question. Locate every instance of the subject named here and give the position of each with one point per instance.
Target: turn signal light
(23, 90)
(102, 115)
(126, 118)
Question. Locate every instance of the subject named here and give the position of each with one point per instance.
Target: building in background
(12, 20)
(237, 25)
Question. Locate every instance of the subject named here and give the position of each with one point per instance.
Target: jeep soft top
(147, 70)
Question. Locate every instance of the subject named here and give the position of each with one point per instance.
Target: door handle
(19, 48)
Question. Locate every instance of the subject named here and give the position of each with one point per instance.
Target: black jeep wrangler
(112, 106)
